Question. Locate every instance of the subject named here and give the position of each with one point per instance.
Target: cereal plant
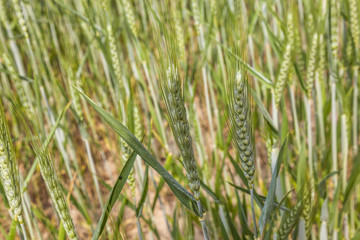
(183, 119)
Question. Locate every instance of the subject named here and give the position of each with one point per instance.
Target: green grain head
(286, 62)
(355, 23)
(171, 88)
(241, 123)
(20, 17)
(313, 58)
(8, 169)
(289, 220)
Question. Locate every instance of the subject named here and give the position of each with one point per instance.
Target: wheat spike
(310, 76)
(289, 220)
(242, 126)
(20, 16)
(179, 123)
(354, 23)
(8, 169)
(285, 64)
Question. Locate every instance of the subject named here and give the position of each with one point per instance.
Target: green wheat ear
(171, 88)
(130, 16)
(286, 62)
(310, 74)
(354, 23)
(242, 126)
(20, 17)
(51, 180)
(17, 82)
(8, 169)
(289, 220)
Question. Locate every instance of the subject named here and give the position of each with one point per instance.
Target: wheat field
(182, 119)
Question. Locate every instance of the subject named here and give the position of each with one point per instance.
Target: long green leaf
(210, 193)
(180, 192)
(270, 198)
(12, 232)
(114, 195)
(264, 112)
(252, 70)
(143, 194)
(3, 195)
(352, 183)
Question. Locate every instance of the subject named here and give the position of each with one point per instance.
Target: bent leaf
(180, 192)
